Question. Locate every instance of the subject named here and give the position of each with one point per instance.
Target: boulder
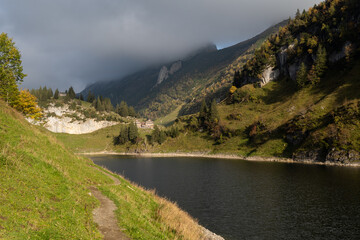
(342, 156)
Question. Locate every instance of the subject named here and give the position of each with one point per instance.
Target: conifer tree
(203, 112)
(237, 79)
(301, 75)
(90, 97)
(320, 62)
(56, 94)
(133, 132)
(132, 112)
(71, 93)
(124, 135)
(123, 109)
(213, 113)
(50, 93)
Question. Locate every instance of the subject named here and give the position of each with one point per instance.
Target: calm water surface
(253, 200)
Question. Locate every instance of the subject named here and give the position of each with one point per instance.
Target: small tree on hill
(123, 109)
(237, 79)
(320, 62)
(213, 113)
(90, 97)
(56, 94)
(71, 93)
(203, 114)
(132, 112)
(27, 104)
(301, 76)
(133, 132)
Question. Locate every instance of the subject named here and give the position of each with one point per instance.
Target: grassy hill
(44, 192)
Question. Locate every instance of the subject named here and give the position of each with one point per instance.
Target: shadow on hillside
(342, 78)
(283, 91)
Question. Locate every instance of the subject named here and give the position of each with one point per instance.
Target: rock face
(336, 56)
(333, 156)
(58, 121)
(165, 73)
(342, 156)
(269, 74)
(314, 155)
(289, 69)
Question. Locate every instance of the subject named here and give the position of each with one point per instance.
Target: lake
(253, 200)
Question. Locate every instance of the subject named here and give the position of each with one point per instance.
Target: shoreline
(221, 156)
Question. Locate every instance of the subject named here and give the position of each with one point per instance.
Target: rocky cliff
(165, 72)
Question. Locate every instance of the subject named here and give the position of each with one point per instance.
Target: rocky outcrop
(333, 156)
(342, 156)
(336, 56)
(269, 74)
(310, 155)
(165, 73)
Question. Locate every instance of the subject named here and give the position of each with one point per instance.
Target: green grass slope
(44, 192)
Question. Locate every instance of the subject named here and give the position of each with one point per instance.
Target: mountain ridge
(195, 74)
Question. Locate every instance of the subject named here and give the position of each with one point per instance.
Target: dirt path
(104, 215)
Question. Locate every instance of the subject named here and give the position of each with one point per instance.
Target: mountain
(157, 91)
(296, 97)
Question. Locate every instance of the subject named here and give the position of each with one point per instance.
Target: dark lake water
(253, 200)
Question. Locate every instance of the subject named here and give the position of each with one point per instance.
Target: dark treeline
(128, 133)
(104, 104)
(42, 93)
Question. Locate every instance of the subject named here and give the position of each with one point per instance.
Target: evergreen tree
(81, 97)
(301, 75)
(132, 112)
(98, 104)
(90, 97)
(312, 76)
(320, 62)
(133, 132)
(203, 114)
(107, 105)
(123, 109)
(43, 94)
(213, 113)
(71, 93)
(124, 135)
(56, 94)
(50, 93)
(237, 79)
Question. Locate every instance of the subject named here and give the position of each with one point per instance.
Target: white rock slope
(58, 121)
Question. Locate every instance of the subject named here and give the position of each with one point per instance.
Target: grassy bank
(44, 192)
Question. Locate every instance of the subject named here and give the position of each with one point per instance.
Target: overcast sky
(77, 42)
